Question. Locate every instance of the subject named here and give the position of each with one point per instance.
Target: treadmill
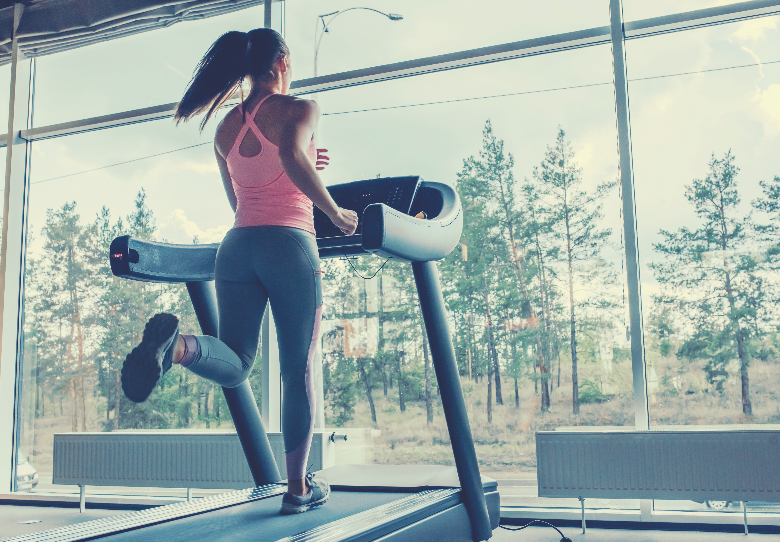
(404, 218)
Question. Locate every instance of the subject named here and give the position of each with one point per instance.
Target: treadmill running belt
(258, 520)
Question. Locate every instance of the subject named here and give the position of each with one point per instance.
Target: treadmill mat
(258, 520)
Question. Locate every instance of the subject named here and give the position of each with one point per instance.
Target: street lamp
(333, 15)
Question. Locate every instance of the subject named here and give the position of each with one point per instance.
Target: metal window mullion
(10, 362)
(638, 365)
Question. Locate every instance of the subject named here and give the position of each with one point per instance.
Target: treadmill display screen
(395, 192)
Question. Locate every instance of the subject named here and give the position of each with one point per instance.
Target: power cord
(563, 538)
(349, 261)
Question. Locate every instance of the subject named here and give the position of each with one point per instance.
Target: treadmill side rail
(382, 520)
(150, 261)
(131, 521)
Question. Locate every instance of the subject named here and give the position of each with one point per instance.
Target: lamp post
(319, 32)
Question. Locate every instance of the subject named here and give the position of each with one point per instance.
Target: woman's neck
(266, 87)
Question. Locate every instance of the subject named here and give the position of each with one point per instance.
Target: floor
(547, 534)
(22, 520)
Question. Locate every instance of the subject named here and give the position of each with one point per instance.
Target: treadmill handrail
(386, 232)
(392, 234)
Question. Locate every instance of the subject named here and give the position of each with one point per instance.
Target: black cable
(563, 537)
(467, 99)
(427, 103)
(349, 261)
(549, 89)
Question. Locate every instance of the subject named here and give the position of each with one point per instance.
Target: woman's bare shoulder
(227, 131)
(299, 107)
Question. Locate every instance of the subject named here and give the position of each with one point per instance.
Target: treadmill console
(395, 192)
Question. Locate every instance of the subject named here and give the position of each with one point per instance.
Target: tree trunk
(469, 351)
(744, 359)
(117, 398)
(81, 391)
(381, 341)
(490, 392)
(492, 352)
(367, 384)
(575, 389)
(384, 378)
(401, 382)
(74, 423)
(426, 359)
(206, 401)
(536, 380)
(546, 353)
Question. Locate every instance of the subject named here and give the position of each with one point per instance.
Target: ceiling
(51, 26)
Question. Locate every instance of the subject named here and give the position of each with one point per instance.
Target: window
(542, 110)
(704, 150)
(149, 180)
(143, 70)
(361, 39)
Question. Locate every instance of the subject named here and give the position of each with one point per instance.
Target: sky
(677, 122)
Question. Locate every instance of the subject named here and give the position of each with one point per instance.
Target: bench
(727, 465)
(209, 460)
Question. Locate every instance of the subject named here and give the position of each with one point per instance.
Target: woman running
(265, 152)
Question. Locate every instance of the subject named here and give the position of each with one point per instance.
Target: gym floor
(23, 520)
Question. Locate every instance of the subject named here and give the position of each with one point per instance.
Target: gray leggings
(254, 265)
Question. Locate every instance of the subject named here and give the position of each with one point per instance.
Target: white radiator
(686, 465)
(167, 459)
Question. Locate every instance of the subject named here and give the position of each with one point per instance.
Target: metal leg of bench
(189, 494)
(582, 506)
(744, 516)
(82, 498)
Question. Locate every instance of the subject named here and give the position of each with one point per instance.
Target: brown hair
(222, 70)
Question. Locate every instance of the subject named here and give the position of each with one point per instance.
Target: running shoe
(151, 359)
(319, 491)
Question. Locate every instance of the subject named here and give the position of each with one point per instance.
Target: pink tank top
(266, 196)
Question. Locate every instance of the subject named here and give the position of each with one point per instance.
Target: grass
(507, 445)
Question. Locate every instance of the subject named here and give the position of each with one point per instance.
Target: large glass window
(638, 9)
(705, 156)
(361, 38)
(143, 70)
(150, 180)
(524, 142)
(535, 290)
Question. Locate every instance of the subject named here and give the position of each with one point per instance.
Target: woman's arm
(226, 180)
(293, 141)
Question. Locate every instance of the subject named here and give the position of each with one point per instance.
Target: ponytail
(222, 70)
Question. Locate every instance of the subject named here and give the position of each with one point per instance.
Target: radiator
(686, 465)
(167, 459)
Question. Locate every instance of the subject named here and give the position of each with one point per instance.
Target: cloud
(769, 103)
(178, 220)
(202, 168)
(756, 60)
(755, 29)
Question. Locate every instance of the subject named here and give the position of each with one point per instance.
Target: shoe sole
(141, 370)
(289, 509)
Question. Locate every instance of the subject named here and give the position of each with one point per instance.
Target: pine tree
(576, 225)
(708, 270)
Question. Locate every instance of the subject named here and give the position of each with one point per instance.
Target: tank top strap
(250, 124)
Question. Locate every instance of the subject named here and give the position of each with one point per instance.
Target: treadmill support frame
(434, 314)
